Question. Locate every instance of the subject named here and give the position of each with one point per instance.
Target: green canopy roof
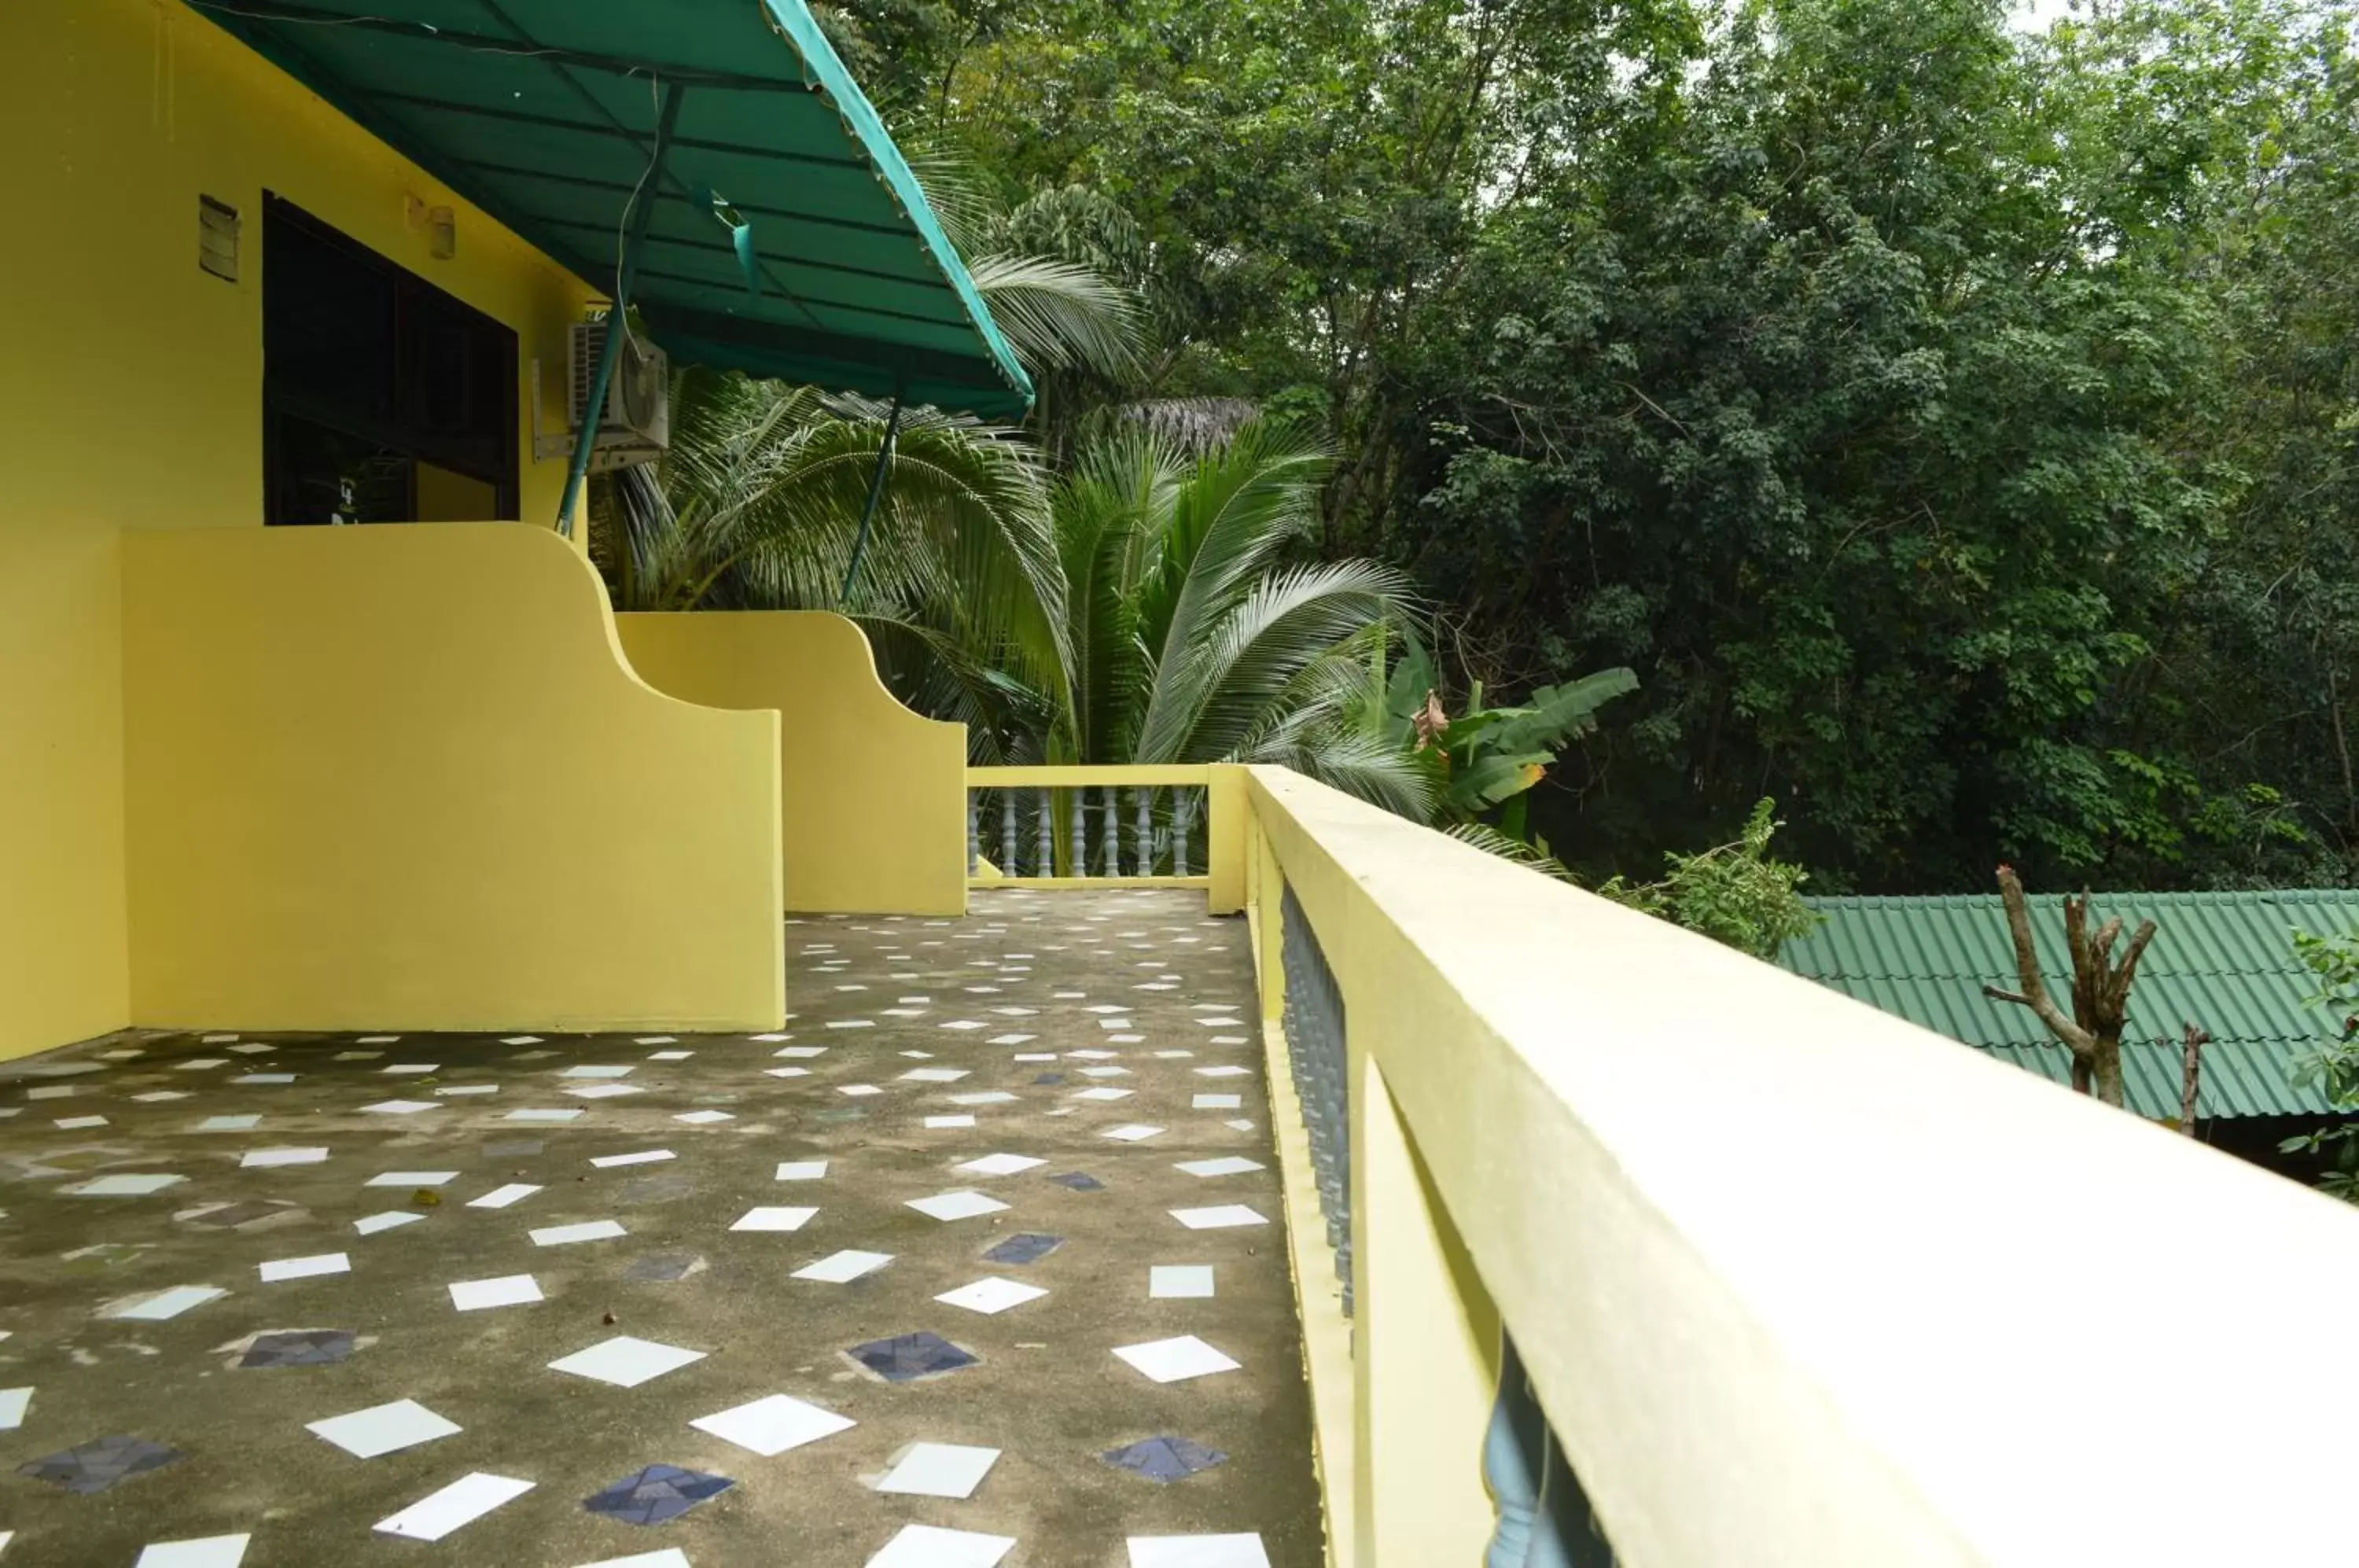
(2224, 961)
(787, 237)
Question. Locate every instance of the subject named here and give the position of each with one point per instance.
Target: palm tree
(758, 503)
(1191, 639)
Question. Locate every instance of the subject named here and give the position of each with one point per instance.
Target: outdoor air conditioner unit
(635, 424)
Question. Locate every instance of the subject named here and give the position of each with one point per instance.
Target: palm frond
(1230, 516)
(1360, 765)
(1059, 315)
(1194, 425)
(1205, 701)
(1486, 837)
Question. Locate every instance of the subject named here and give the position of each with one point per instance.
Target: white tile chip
(369, 1224)
(933, 1075)
(1217, 1102)
(772, 1426)
(774, 1217)
(858, 1090)
(669, 1557)
(383, 1429)
(127, 1185)
(400, 1108)
(940, 1123)
(501, 1197)
(843, 1267)
(588, 1071)
(927, 1546)
(13, 1403)
(1197, 1552)
(161, 1305)
(999, 1165)
(991, 1295)
(1102, 1093)
(1226, 1072)
(469, 1088)
(704, 1118)
(980, 1097)
(561, 1115)
(1179, 1281)
(626, 1362)
(1176, 1360)
(800, 1169)
(642, 1156)
(938, 1470)
(508, 1290)
(201, 1551)
(1134, 1133)
(462, 1502)
(304, 1267)
(256, 1158)
(600, 1091)
(588, 1230)
(956, 1205)
(1229, 1165)
(411, 1179)
(1223, 1217)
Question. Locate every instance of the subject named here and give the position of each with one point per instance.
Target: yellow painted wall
(874, 796)
(402, 778)
(140, 407)
(137, 404)
(1760, 1246)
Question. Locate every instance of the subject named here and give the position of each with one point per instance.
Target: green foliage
(757, 503)
(1193, 634)
(2334, 1067)
(1956, 429)
(1737, 893)
(1484, 760)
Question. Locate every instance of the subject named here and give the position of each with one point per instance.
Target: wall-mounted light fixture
(440, 224)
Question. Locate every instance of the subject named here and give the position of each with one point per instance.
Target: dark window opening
(384, 399)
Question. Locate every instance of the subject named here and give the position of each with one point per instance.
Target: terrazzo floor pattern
(272, 1301)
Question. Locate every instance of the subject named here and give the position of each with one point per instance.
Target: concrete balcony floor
(172, 1383)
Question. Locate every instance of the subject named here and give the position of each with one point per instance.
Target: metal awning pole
(586, 437)
(875, 493)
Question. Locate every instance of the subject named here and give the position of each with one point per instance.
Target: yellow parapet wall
(874, 796)
(1798, 1285)
(402, 778)
(142, 408)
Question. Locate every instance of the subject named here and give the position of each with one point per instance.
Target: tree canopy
(1952, 424)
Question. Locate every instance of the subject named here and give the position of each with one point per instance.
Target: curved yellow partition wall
(402, 778)
(874, 796)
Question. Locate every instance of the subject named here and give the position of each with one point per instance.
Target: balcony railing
(1613, 1245)
(1076, 826)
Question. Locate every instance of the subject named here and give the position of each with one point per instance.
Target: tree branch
(2035, 995)
(2120, 999)
(2190, 1078)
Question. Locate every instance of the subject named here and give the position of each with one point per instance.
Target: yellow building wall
(874, 796)
(137, 404)
(401, 778)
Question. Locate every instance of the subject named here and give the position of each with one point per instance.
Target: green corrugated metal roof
(543, 113)
(2224, 960)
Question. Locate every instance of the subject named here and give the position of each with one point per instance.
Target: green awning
(787, 236)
